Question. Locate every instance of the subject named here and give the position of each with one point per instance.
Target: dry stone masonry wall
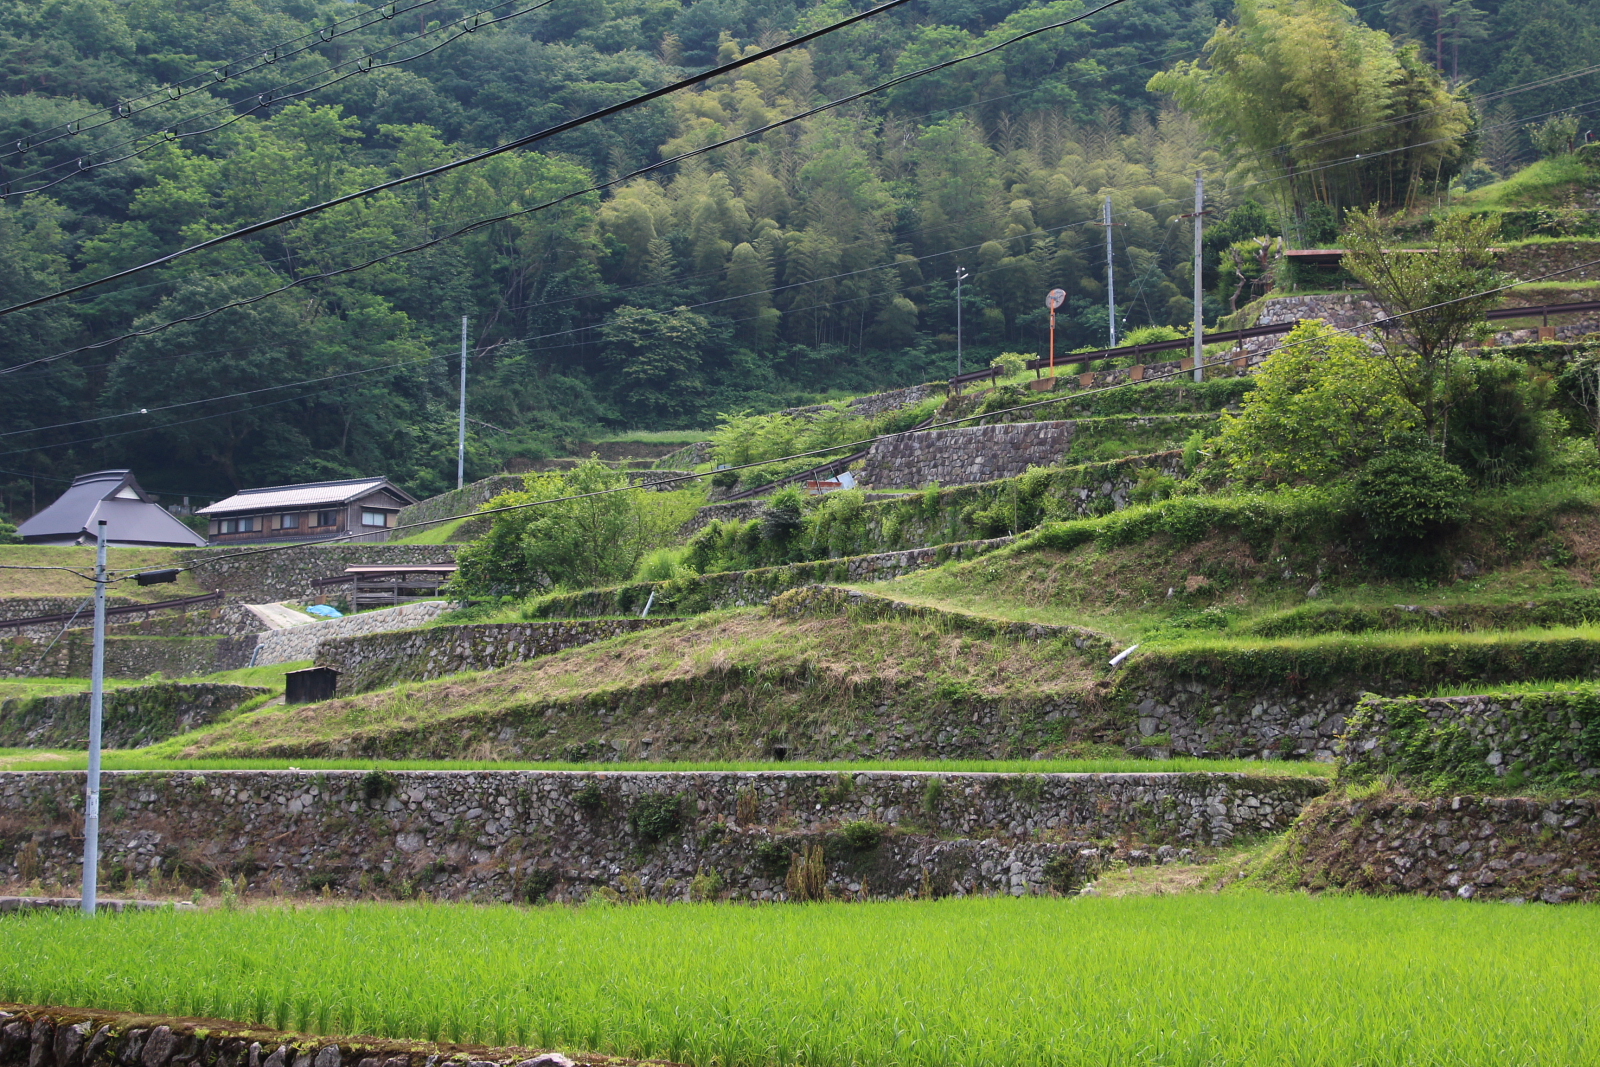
(287, 574)
(739, 589)
(1497, 735)
(301, 642)
(964, 454)
(133, 717)
(80, 1037)
(516, 835)
(383, 659)
(126, 657)
(436, 509)
(1464, 847)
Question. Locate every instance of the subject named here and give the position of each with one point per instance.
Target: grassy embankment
(32, 759)
(1235, 979)
(271, 677)
(59, 583)
(1255, 566)
(1546, 183)
(710, 687)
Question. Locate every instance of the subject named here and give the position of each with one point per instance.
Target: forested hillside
(818, 256)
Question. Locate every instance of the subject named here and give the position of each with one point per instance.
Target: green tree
(1323, 406)
(1308, 94)
(562, 543)
(656, 358)
(1440, 296)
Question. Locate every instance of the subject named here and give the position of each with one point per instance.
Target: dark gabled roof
(132, 518)
(307, 495)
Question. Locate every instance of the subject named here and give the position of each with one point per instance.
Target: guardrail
(1542, 310)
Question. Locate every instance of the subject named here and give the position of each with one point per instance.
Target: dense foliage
(815, 257)
(574, 530)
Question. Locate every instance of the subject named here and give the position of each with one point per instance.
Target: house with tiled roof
(131, 515)
(306, 512)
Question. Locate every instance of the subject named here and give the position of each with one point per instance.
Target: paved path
(279, 616)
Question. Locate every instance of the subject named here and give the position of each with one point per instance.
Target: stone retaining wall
(287, 574)
(877, 404)
(383, 659)
(1494, 734)
(435, 509)
(1535, 259)
(738, 589)
(126, 657)
(26, 607)
(1492, 848)
(301, 642)
(132, 717)
(964, 454)
(84, 1037)
(515, 835)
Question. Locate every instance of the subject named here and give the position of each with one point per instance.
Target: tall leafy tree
(1337, 112)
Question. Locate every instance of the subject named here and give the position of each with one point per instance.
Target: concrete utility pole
(97, 691)
(961, 276)
(1199, 306)
(1111, 277)
(461, 431)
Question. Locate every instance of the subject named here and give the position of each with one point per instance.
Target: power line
(269, 98)
(235, 68)
(857, 445)
(317, 277)
(445, 168)
(479, 224)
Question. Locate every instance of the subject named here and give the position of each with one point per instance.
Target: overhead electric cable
(856, 445)
(478, 157)
(267, 99)
(479, 224)
(235, 68)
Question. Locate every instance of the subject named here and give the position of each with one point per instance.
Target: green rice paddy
(1236, 979)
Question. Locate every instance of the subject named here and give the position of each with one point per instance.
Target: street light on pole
(961, 276)
(97, 690)
(1054, 299)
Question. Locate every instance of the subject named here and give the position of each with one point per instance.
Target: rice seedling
(1237, 979)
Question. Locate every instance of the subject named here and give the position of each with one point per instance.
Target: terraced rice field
(1236, 979)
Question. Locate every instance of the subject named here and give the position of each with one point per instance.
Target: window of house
(291, 522)
(228, 526)
(327, 518)
(374, 518)
(249, 525)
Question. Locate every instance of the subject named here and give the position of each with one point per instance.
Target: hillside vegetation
(810, 260)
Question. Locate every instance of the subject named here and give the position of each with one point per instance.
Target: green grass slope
(729, 685)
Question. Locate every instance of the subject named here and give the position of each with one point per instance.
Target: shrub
(378, 784)
(1011, 364)
(656, 816)
(1497, 428)
(1323, 405)
(556, 542)
(862, 834)
(771, 858)
(591, 799)
(783, 516)
(537, 885)
(9, 535)
(1406, 495)
(662, 565)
